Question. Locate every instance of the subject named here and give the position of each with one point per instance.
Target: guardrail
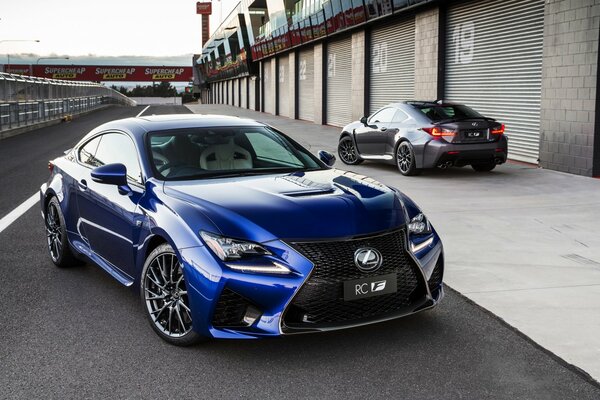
(27, 100)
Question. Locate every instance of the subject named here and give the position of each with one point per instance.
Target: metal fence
(26, 100)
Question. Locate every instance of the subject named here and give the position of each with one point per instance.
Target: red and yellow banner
(98, 73)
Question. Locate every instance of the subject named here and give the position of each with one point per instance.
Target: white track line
(147, 107)
(17, 212)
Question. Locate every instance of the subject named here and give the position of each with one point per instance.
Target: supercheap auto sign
(105, 73)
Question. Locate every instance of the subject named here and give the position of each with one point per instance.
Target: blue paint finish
(114, 229)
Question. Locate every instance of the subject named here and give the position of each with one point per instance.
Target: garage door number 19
(463, 38)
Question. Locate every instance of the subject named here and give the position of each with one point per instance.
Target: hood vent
(305, 193)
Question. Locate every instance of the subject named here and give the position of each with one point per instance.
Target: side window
(118, 148)
(400, 116)
(88, 151)
(386, 115)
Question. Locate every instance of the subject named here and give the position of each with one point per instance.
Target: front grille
(321, 298)
(230, 309)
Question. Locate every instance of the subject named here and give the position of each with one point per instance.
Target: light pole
(16, 40)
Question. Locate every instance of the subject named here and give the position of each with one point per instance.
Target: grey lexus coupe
(425, 134)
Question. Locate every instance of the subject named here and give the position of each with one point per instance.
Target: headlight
(419, 225)
(231, 249)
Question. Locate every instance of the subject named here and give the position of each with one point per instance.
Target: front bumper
(221, 298)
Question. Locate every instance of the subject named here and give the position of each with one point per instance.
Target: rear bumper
(440, 153)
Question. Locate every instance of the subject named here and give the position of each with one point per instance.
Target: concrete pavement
(522, 242)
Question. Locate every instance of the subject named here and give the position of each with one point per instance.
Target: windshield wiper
(242, 173)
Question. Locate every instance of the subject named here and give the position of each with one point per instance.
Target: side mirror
(110, 174)
(327, 158)
(363, 120)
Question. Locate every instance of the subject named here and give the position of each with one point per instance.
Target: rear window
(447, 112)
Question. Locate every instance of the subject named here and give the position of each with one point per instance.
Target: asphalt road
(76, 333)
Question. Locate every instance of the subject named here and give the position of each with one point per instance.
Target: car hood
(304, 205)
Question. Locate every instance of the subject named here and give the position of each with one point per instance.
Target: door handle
(82, 185)
(383, 129)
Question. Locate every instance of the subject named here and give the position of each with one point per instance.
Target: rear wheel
(484, 167)
(347, 151)
(165, 297)
(56, 236)
(405, 160)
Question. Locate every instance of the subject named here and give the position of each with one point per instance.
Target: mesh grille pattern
(230, 309)
(321, 299)
(435, 280)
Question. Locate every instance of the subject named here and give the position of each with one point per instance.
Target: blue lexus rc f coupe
(228, 228)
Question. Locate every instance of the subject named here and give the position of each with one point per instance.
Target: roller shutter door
(228, 88)
(306, 84)
(221, 90)
(243, 92)
(283, 80)
(339, 78)
(236, 92)
(268, 94)
(392, 66)
(252, 94)
(494, 64)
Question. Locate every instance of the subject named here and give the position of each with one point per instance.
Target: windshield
(199, 153)
(448, 112)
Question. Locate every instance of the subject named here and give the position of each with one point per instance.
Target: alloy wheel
(404, 158)
(166, 296)
(53, 232)
(347, 151)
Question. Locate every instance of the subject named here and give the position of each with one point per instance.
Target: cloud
(91, 59)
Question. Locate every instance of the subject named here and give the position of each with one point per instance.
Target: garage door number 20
(380, 57)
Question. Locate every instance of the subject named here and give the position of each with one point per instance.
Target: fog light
(251, 315)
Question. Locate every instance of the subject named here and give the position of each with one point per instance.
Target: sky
(167, 29)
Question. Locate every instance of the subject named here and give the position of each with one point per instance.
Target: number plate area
(370, 287)
(474, 134)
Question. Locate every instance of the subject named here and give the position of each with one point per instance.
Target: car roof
(431, 103)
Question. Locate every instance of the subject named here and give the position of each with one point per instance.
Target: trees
(162, 89)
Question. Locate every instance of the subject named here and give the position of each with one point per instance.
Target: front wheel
(165, 297)
(347, 151)
(405, 160)
(484, 167)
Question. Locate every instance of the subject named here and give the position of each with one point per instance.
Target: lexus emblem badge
(367, 259)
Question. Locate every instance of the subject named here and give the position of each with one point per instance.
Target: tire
(405, 159)
(56, 236)
(163, 292)
(484, 167)
(347, 151)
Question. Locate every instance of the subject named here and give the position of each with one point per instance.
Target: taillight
(437, 131)
(50, 166)
(498, 131)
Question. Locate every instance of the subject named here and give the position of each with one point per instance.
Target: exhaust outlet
(445, 165)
